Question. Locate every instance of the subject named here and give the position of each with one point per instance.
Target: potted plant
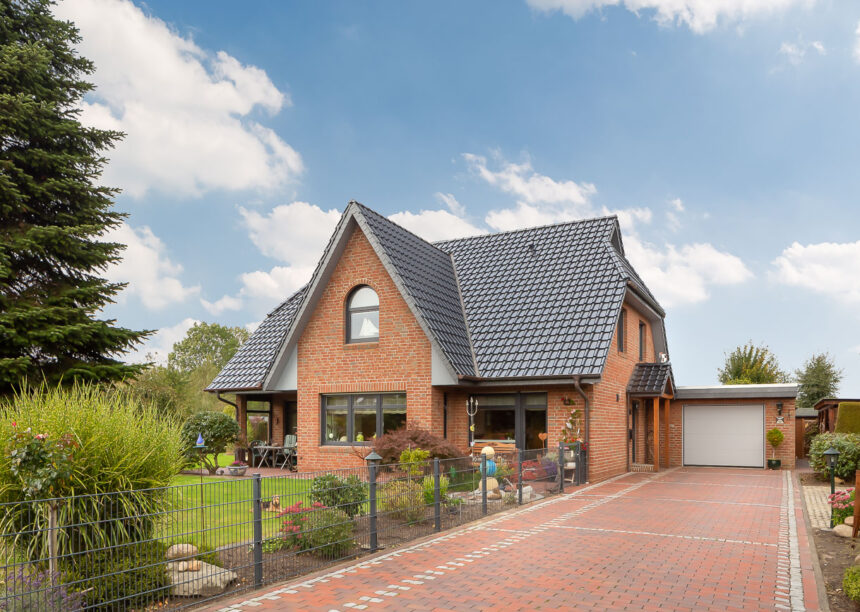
(237, 468)
(774, 438)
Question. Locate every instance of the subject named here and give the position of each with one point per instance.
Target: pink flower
(14, 424)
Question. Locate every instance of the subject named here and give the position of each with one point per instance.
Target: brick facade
(399, 361)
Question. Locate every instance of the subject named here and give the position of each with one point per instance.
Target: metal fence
(177, 547)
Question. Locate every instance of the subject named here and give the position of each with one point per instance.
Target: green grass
(226, 516)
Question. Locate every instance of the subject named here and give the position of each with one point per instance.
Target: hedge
(848, 445)
(848, 418)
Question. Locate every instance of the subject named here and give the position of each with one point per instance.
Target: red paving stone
(686, 539)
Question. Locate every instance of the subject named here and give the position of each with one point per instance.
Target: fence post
(561, 449)
(577, 457)
(374, 542)
(437, 495)
(258, 530)
(520, 454)
(483, 483)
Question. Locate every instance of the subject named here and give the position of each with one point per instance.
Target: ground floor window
(360, 418)
(511, 417)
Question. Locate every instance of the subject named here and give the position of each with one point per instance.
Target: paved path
(685, 539)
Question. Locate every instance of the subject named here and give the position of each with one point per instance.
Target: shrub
(851, 583)
(34, 593)
(389, 446)
(848, 418)
(403, 499)
(428, 485)
(218, 430)
(809, 433)
(347, 494)
(324, 531)
(848, 446)
(842, 503)
(121, 445)
(413, 460)
(124, 578)
(504, 471)
(774, 438)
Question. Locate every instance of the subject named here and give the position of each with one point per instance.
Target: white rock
(179, 551)
(843, 531)
(207, 581)
(849, 520)
(528, 492)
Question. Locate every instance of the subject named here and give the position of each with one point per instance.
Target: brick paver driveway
(685, 539)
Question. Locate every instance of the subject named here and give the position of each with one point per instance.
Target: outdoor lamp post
(832, 456)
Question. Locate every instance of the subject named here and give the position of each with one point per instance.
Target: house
(527, 328)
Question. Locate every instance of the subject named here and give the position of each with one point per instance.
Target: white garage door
(724, 435)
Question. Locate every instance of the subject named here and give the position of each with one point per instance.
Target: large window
(511, 417)
(362, 315)
(359, 418)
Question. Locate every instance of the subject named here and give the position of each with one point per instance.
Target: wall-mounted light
(779, 408)
(617, 397)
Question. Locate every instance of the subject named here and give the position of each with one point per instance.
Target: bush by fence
(847, 444)
(225, 536)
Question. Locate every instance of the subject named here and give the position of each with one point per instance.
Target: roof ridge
(364, 207)
(527, 229)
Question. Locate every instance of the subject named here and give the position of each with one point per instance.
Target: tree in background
(818, 378)
(206, 343)
(53, 211)
(194, 361)
(750, 364)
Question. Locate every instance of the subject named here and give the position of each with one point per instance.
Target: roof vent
(532, 248)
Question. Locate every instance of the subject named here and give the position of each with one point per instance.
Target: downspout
(221, 399)
(586, 412)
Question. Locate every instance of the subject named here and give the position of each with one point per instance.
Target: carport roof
(780, 390)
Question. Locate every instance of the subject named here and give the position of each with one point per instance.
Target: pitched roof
(649, 379)
(541, 301)
(429, 279)
(249, 366)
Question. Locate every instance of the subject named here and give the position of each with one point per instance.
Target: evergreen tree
(818, 378)
(750, 364)
(52, 211)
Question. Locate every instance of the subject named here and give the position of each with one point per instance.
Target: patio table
(268, 454)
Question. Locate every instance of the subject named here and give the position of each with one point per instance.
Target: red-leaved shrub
(390, 445)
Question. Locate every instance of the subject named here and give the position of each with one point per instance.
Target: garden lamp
(373, 458)
(832, 456)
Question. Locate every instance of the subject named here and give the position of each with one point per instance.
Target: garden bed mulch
(835, 555)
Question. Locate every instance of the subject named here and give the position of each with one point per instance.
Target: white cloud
(277, 284)
(857, 43)
(452, 204)
(699, 15)
(187, 112)
(795, 52)
(227, 302)
(147, 269)
(433, 225)
(683, 275)
(676, 275)
(828, 268)
(158, 346)
(295, 233)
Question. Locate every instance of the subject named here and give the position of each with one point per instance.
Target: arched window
(362, 315)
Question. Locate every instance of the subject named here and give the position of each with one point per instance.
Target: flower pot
(774, 464)
(237, 471)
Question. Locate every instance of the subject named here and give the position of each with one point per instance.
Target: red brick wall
(785, 451)
(609, 406)
(399, 361)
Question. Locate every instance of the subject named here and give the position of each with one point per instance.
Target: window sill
(344, 447)
(352, 346)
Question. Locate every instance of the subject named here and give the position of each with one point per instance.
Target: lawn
(225, 515)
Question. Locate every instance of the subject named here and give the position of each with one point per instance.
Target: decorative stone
(179, 551)
(849, 520)
(221, 472)
(492, 484)
(207, 581)
(838, 481)
(528, 492)
(857, 560)
(496, 494)
(489, 451)
(843, 531)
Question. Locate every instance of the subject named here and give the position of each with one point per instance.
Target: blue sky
(725, 138)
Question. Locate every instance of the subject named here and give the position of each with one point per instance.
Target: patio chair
(287, 454)
(257, 453)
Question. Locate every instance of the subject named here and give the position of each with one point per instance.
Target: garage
(724, 435)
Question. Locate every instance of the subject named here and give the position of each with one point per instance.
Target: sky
(723, 133)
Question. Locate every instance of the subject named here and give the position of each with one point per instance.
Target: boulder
(492, 484)
(495, 494)
(528, 492)
(180, 551)
(838, 481)
(843, 531)
(221, 472)
(207, 581)
(849, 520)
(857, 560)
